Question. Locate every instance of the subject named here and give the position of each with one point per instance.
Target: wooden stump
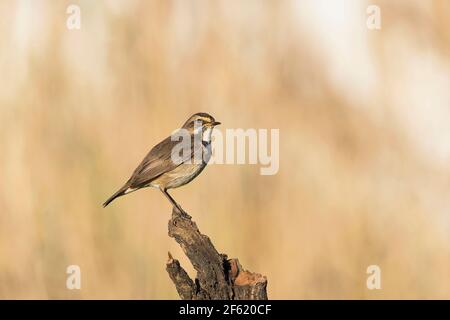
(217, 276)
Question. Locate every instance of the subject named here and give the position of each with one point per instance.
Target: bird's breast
(179, 176)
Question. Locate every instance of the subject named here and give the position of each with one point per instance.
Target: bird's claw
(181, 212)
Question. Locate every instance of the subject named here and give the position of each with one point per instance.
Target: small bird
(159, 170)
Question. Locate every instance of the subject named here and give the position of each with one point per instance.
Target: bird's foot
(181, 212)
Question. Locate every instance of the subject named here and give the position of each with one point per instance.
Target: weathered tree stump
(217, 276)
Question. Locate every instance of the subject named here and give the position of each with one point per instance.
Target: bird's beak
(215, 123)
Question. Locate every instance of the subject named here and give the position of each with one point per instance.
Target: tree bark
(217, 276)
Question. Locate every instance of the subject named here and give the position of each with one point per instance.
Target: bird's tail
(119, 193)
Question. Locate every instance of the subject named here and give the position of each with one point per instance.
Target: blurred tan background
(364, 144)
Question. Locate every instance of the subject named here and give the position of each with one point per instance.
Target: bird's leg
(174, 203)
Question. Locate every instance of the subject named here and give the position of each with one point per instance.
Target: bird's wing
(159, 161)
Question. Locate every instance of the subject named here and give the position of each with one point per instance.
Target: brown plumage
(158, 170)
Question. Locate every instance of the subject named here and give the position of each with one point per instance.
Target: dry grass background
(364, 151)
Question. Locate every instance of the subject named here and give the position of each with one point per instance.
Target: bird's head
(200, 120)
